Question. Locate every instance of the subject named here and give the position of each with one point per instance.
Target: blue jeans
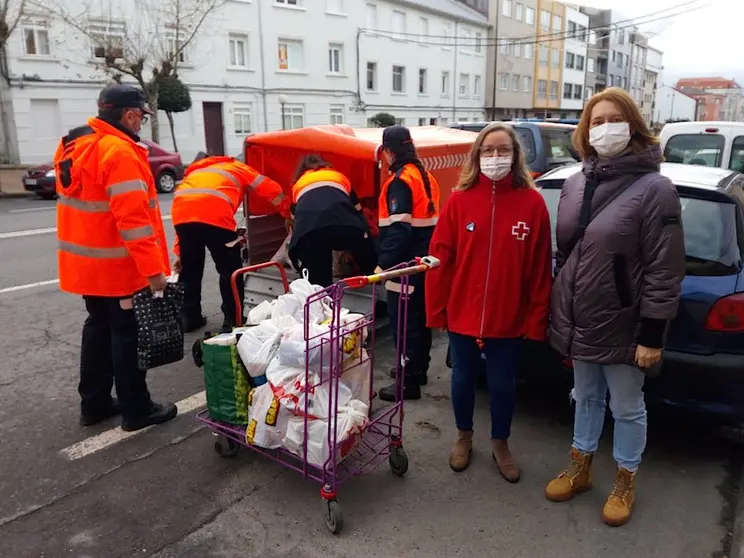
(625, 385)
(502, 359)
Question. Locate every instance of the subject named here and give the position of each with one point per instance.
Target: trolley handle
(251, 269)
(419, 265)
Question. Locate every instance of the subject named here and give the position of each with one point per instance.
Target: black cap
(393, 137)
(123, 96)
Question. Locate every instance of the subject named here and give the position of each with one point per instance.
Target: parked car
(704, 355)
(713, 144)
(546, 145)
(166, 166)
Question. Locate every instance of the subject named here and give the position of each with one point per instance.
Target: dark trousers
(418, 336)
(194, 239)
(502, 359)
(314, 252)
(109, 356)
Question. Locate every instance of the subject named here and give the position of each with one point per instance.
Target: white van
(713, 144)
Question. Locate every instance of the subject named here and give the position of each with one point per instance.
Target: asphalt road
(165, 493)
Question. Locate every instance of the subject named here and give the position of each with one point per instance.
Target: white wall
(572, 75)
(670, 103)
(252, 88)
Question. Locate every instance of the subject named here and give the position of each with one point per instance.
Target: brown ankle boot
(461, 453)
(619, 504)
(576, 478)
(503, 458)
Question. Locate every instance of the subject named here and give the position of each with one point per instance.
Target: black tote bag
(160, 336)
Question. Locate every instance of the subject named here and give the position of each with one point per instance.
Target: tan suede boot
(575, 479)
(619, 504)
(505, 461)
(463, 450)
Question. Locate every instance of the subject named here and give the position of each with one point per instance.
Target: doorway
(214, 130)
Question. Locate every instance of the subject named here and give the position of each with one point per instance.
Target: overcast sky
(706, 41)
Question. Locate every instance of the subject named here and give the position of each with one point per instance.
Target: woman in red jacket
(493, 287)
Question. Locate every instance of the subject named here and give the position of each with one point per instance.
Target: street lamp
(282, 102)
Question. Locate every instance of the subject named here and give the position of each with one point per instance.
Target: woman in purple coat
(619, 268)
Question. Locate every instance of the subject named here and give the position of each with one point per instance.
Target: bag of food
(293, 347)
(268, 418)
(357, 377)
(226, 382)
(261, 312)
(257, 347)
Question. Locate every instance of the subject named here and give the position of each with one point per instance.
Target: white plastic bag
(357, 378)
(268, 419)
(303, 289)
(293, 347)
(257, 347)
(283, 377)
(289, 305)
(261, 312)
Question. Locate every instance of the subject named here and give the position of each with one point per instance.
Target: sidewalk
(10, 182)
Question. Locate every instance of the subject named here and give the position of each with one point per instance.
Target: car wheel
(166, 182)
(48, 195)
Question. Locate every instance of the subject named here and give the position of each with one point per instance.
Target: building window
(335, 6)
(371, 16)
(335, 58)
(590, 65)
(581, 33)
(526, 84)
(399, 79)
(529, 16)
(238, 50)
(553, 90)
(579, 62)
(528, 53)
(505, 47)
(400, 121)
(36, 39)
(567, 90)
(447, 36)
(593, 37)
(545, 20)
(478, 42)
(506, 8)
(175, 49)
(423, 30)
(399, 24)
(542, 89)
(242, 118)
(544, 54)
(422, 121)
(504, 82)
(464, 87)
(107, 39)
(518, 11)
(621, 37)
(423, 85)
(286, 2)
(517, 49)
(570, 59)
(476, 87)
(294, 117)
(588, 92)
(337, 114)
(445, 91)
(371, 76)
(291, 55)
(571, 28)
(516, 82)
(556, 58)
(557, 23)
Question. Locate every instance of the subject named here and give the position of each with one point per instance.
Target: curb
(16, 195)
(737, 529)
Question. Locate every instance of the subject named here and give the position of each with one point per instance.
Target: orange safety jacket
(109, 228)
(321, 178)
(213, 189)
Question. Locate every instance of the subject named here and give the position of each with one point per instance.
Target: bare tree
(10, 15)
(146, 40)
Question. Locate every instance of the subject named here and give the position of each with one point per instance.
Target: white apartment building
(672, 104)
(575, 63)
(255, 65)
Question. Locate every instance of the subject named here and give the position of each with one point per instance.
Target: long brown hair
(641, 136)
(310, 162)
(471, 169)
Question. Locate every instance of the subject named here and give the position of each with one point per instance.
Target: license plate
(31, 181)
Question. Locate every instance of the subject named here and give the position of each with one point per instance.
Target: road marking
(33, 209)
(115, 435)
(49, 230)
(29, 286)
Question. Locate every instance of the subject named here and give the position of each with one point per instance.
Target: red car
(167, 168)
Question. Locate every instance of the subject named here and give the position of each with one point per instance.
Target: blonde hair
(641, 136)
(521, 176)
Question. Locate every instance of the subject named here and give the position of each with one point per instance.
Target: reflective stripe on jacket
(322, 178)
(109, 228)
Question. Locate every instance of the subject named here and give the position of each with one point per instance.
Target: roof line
(473, 17)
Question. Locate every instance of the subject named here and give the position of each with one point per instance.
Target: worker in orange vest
(203, 213)
(408, 212)
(327, 217)
(111, 244)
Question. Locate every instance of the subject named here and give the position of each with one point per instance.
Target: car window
(695, 149)
(558, 148)
(711, 242)
(527, 141)
(737, 154)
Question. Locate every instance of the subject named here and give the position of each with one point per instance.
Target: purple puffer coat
(621, 284)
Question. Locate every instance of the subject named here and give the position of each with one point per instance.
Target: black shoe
(91, 419)
(193, 323)
(410, 392)
(423, 378)
(228, 324)
(158, 414)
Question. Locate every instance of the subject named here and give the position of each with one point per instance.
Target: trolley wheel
(225, 447)
(196, 353)
(333, 517)
(398, 460)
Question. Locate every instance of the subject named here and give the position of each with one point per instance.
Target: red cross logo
(520, 230)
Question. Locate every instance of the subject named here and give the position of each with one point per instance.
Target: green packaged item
(227, 384)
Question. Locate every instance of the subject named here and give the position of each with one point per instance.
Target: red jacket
(496, 273)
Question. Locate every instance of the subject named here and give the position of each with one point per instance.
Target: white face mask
(495, 168)
(610, 138)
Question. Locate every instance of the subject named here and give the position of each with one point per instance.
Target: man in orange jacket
(111, 244)
(203, 213)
